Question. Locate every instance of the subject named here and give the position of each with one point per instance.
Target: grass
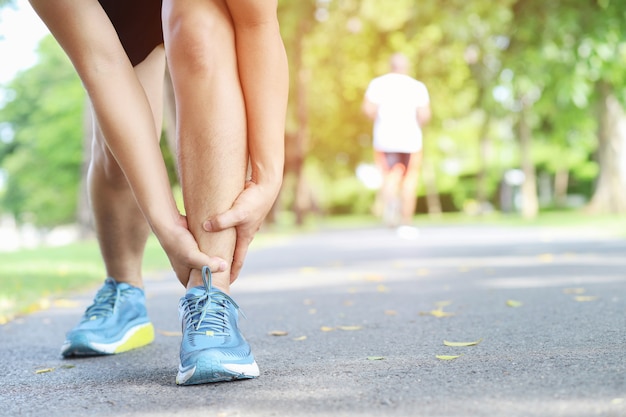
(29, 279)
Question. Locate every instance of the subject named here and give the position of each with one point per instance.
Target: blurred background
(527, 97)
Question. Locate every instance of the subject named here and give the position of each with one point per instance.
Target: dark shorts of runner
(138, 25)
(395, 158)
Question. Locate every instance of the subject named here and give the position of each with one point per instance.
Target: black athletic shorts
(138, 25)
(395, 158)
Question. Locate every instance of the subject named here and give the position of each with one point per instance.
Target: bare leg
(211, 120)
(408, 188)
(120, 225)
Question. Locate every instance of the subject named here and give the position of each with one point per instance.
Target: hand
(183, 252)
(246, 216)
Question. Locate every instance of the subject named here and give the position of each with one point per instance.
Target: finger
(226, 220)
(241, 249)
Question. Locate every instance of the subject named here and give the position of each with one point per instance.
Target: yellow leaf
(349, 328)
(374, 278)
(375, 358)
(168, 333)
(442, 304)
(63, 303)
(327, 329)
(44, 370)
(514, 304)
(574, 291)
(546, 258)
(278, 333)
(439, 313)
(447, 357)
(460, 344)
(382, 288)
(299, 339)
(585, 298)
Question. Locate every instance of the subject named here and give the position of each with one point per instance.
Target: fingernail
(207, 226)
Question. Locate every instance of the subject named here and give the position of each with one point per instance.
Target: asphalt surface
(362, 310)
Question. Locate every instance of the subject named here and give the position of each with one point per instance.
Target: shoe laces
(207, 314)
(104, 302)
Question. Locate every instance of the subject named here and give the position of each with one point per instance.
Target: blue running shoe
(213, 349)
(117, 321)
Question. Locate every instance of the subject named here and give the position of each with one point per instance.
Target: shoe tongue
(195, 292)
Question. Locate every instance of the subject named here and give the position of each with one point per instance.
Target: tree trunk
(482, 177)
(561, 181)
(432, 193)
(610, 193)
(530, 203)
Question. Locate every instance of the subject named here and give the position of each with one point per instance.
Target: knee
(104, 166)
(195, 39)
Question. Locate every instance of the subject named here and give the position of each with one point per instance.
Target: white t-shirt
(397, 96)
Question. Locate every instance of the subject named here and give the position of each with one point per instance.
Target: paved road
(346, 298)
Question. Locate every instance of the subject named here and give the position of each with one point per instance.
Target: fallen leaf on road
(278, 333)
(460, 344)
(327, 329)
(546, 258)
(348, 303)
(63, 303)
(382, 288)
(300, 338)
(375, 358)
(374, 278)
(585, 298)
(349, 328)
(168, 333)
(439, 313)
(447, 357)
(391, 313)
(44, 370)
(514, 303)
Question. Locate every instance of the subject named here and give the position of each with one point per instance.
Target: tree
(41, 150)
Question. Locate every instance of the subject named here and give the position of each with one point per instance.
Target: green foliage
(41, 151)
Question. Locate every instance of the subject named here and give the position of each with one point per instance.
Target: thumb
(226, 220)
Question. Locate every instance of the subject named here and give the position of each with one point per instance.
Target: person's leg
(213, 157)
(211, 120)
(117, 320)
(408, 188)
(121, 228)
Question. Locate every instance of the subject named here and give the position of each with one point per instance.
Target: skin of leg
(87, 36)
(121, 228)
(211, 120)
(408, 187)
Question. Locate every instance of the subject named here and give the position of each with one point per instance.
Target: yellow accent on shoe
(142, 337)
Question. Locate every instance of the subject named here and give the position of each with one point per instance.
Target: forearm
(265, 80)
(90, 41)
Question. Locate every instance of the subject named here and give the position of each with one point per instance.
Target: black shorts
(138, 25)
(395, 158)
